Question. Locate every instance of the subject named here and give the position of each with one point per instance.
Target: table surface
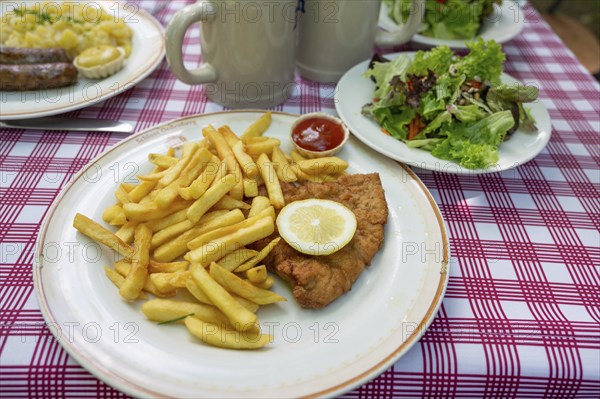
(521, 315)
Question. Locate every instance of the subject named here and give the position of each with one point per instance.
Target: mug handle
(406, 31)
(175, 32)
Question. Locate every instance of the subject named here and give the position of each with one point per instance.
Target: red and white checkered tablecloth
(521, 315)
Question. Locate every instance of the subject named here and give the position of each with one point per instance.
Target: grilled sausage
(17, 56)
(37, 76)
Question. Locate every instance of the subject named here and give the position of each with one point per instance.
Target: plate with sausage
(41, 40)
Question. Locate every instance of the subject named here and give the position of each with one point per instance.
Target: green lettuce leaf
(399, 10)
(526, 120)
(514, 93)
(475, 145)
(395, 121)
(448, 19)
(431, 106)
(383, 72)
(442, 119)
(448, 87)
(424, 144)
(484, 61)
(437, 59)
(453, 19)
(468, 113)
(467, 154)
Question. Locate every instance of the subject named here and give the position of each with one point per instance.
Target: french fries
(229, 135)
(166, 310)
(98, 233)
(326, 165)
(167, 282)
(241, 287)
(258, 127)
(262, 147)
(266, 284)
(167, 267)
(212, 235)
(151, 210)
(222, 246)
(212, 334)
(250, 263)
(196, 164)
(118, 280)
(246, 162)
(267, 171)
(226, 154)
(134, 282)
(174, 171)
(126, 231)
(183, 231)
(164, 161)
(123, 268)
(122, 193)
(197, 293)
(179, 246)
(296, 156)
(114, 215)
(174, 218)
(258, 204)
(239, 316)
(283, 168)
(228, 202)
(176, 229)
(233, 260)
(257, 274)
(250, 188)
(210, 198)
(202, 182)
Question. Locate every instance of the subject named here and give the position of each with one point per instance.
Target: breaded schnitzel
(319, 280)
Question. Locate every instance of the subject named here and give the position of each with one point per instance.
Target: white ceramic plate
(505, 23)
(354, 90)
(148, 49)
(314, 353)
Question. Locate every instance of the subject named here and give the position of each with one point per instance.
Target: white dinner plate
(314, 353)
(354, 90)
(148, 49)
(506, 22)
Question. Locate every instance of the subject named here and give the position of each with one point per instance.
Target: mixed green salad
(455, 107)
(446, 19)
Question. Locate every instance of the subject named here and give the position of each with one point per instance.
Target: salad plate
(505, 23)
(314, 353)
(147, 53)
(354, 90)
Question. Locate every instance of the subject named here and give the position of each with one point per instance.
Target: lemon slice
(316, 226)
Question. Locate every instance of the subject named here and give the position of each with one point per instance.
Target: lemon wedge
(316, 226)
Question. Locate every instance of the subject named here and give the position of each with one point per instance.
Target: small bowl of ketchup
(318, 135)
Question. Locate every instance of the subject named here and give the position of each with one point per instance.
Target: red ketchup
(318, 134)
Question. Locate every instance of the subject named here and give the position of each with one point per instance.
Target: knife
(79, 124)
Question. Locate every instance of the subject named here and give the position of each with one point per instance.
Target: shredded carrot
(414, 127)
(385, 132)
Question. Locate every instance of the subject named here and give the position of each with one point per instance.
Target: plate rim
(460, 44)
(457, 169)
(141, 74)
(104, 374)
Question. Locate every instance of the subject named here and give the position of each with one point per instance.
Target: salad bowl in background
(504, 23)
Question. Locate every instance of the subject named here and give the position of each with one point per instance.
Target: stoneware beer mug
(247, 50)
(335, 35)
